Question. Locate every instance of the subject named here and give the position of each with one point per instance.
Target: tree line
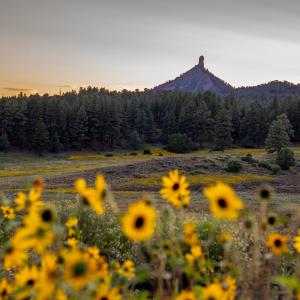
(99, 119)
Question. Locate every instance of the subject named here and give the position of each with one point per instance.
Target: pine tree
(222, 130)
(40, 138)
(4, 143)
(279, 134)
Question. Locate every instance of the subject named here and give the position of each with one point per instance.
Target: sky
(53, 45)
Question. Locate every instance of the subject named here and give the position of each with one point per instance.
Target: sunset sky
(48, 45)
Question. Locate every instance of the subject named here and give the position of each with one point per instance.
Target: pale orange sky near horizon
(48, 46)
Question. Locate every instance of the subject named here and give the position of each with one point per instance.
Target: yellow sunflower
(8, 212)
(99, 261)
(214, 291)
(35, 193)
(20, 201)
(277, 243)
(94, 197)
(224, 203)
(37, 237)
(5, 289)
(175, 189)
(27, 278)
(127, 269)
(229, 287)
(139, 222)
(225, 237)
(106, 292)
(297, 242)
(48, 276)
(72, 222)
(78, 268)
(190, 235)
(14, 257)
(196, 253)
(186, 295)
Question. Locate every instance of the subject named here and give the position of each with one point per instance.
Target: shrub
(275, 169)
(248, 158)
(180, 143)
(109, 155)
(265, 164)
(133, 154)
(147, 152)
(285, 158)
(234, 166)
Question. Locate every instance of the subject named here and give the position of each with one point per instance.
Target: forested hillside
(102, 120)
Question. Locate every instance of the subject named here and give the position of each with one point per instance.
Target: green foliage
(147, 152)
(234, 166)
(285, 158)
(134, 141)
(40, 137)
(275, 169)
(101, 120)
(222, 130)
(105, 233)
(180, 143)
(4, 143)
(279, 134)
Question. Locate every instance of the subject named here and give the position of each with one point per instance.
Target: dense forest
(98, 119)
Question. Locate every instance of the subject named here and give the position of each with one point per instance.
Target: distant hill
(279, 88)
(199, 79)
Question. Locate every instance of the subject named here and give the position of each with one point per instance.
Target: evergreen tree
(40, 138)
(134, 141)
(4, 143)
(222, 130)
(279, 134)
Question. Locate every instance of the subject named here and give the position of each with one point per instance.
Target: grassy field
(131, 175)
(171, 249)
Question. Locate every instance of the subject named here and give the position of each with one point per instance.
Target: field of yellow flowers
(145, 253)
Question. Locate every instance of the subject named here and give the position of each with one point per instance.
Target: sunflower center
(139, 222)
(277, 243)
(104, 298)
(271, 220)
(41, 233)
(175, 186)
(4, 292)
(211, 298)
(79, 269)
(30, 282)
(222, 203)
(264, 193)
(47, 215)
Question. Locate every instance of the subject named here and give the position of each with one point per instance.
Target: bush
(265, 164)
(109, 155)
(248, 158)
(275, 169)
(180, 143)
(133, 154)
(147, 152)
(4, 143)
(234, 166)
(285, 158)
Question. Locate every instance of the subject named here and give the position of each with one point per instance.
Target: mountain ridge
(199, 79)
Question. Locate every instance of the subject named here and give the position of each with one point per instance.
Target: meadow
(187, 249)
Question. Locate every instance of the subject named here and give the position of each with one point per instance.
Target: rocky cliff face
(197, 79)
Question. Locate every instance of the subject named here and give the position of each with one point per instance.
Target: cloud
(67, 86)
(14, 89)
